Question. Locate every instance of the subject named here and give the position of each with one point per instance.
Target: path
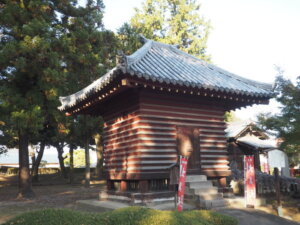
(255, 217)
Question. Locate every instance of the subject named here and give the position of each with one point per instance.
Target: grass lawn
(125, 216)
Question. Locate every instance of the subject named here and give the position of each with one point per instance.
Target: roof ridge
(142, 51)
(138, 54)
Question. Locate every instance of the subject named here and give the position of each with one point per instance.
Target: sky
(50, 155)
(248, 38)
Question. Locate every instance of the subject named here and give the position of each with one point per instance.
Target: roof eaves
(71, 100)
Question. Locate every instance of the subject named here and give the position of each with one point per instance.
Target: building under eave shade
(158, 103)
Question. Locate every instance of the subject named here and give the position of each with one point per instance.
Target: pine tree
(91, 52)
(173, 22)
(128, 39)
(30, 70)
(47, 49)
(89, 49)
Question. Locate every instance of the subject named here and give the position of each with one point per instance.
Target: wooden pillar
(277, 188)
(109, 185)
(144, 186)
(124, 185)
(222, 182)
(256, 160)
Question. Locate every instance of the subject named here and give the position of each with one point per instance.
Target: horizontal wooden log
(182, 102)
(126, 175)
(142, 134)
(139, 138)
(137, 128)
(181, 110)
(140, 157)
(181, 114)
(133, 163)
(144, 141)
(141, 167)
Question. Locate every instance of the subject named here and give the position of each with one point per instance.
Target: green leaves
(79, 158)
(286, 124)
(171, 22)
(28, 119)
(48, 49)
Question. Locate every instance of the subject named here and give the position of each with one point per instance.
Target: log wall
(140, 140)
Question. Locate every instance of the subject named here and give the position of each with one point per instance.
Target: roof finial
(142, 39)
(121, 59)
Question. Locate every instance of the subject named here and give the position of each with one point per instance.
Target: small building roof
(238, 129)
(166, 64)
(234, 129)
(257, 143)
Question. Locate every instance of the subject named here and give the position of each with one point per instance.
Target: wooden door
(188, 145)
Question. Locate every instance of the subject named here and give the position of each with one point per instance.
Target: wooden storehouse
(244, 138)
(156, 100)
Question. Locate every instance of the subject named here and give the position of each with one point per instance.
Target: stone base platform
(107, 205)
(134, 198)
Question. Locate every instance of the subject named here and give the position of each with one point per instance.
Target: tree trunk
(25, 185)
(60, 152)
(71, 175)
(31, 152)
(36, 164)
(99, 153)
(87, 164)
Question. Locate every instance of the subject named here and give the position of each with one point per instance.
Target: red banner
(181, 184)
(250, 184)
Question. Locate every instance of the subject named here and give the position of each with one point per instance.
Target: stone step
(215, 203)
(171, 206)
(203, 196)
(201, 191)
(195, 178)
(200, 184)
(190, 198)
(210, 196)
(209, 190)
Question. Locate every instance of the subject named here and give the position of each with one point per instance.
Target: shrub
(52, 217)
(125, 216)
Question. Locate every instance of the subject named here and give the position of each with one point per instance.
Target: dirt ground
(54, 192)
(290, 208)
(254, 216)
(51, 192)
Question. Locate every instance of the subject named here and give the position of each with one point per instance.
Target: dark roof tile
(167, 64)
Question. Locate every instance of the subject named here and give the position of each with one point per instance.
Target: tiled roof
(71, 100)
(166, 64)
(258, 143)
(236, 128)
